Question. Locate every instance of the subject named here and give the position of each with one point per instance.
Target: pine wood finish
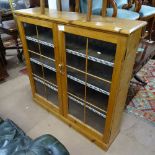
(122, 35)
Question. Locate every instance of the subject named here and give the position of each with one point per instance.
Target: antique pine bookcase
(79, 70)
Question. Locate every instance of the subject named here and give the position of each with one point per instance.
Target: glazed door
(42, 61)
(88, 69)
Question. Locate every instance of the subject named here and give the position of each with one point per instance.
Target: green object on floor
(13, 141)
(1, 120)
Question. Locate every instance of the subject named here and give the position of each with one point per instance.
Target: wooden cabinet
(80, 70)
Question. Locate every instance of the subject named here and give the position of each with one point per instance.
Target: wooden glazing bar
(72, 78)
(105, 62)
(42, 68)
(86, 106)
(88, 85)
(87, 103)
(89, 10)
(104, 8)
(77, 5)
(45, 84)
(42, 6)
(41, 55)
(39, 41)
(48, 82)
(59, 5)
(89, 74)
(42, 64)
(86, 69)
(108, 63)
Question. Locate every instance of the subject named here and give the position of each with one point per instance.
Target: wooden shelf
(95, 84)
(103, 57)
(94, 98)
(93, 118)
(44, 89)
(96, 53)
(98, 71)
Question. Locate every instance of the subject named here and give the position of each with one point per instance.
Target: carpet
(143, 103)
(23, 71)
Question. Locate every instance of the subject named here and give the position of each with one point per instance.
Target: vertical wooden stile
(77, 5)
(89, 10)
(59, 5)
(42, 6)
(104, 8)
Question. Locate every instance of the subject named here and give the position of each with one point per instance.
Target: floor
(136, 137)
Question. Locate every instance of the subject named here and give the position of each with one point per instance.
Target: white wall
(65, 4)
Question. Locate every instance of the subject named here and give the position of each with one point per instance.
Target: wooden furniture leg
(19, 53)
(151, 24)
(3, 53)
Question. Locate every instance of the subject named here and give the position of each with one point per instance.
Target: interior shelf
(33, 46)
(96, 99)
(50, 76)
(92, 117)
(45, 63)
(47, 51)
(95, 120)
(43, 39)
(98, 51)
(39, 87)
(93, 83)
(39, 34)
(37, 69)
(46, 90)
(97, 70)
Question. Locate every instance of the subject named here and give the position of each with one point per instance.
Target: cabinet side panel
(126, 75)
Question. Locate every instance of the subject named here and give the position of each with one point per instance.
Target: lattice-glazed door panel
(42, 58)
(89, 64)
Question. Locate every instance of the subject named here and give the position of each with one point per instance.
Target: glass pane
(76, 109)
(30, 30)
(33, 46)
(34, 56)
(49, 75)
(52, 94)
(94, 119)
(45, 35)
(97, 99)
(75, 61)
(98, 85)
(76, 89)
(75, 43)
(100, 70)
(47, 51)
(40, 88)
(101, 51)
(37, 69)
